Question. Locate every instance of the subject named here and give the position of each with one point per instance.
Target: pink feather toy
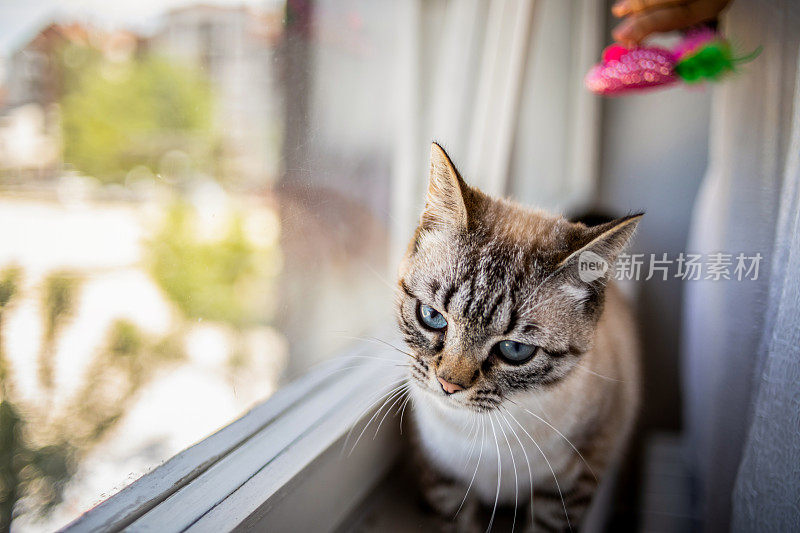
(702, 55)
(625, 70)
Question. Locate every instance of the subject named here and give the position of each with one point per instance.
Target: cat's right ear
(445, 205)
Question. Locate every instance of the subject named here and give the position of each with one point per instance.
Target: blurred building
(32, 73)
(236, 48)
(32, 84)
(29, 139)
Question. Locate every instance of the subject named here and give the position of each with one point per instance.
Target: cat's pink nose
(448, 387)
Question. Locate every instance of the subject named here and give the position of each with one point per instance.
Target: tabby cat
(525, 379)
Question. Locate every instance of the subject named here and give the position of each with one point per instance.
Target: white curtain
(741, 344)
(499, 84)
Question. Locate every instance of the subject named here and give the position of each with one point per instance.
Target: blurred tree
(58, 304)
(9, 282)
(227, 280)
(9, 419)
(40, 444)
(10, 444)
(117, 115)
(127, 362)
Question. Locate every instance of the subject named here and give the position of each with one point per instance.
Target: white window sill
(284, 463)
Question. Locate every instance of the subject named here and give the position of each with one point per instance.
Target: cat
(525, 378)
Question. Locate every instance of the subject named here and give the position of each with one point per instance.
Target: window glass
(194, 202)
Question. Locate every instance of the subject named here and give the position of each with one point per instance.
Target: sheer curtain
(499, 84)
(741, 345)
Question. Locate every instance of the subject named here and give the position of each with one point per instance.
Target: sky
(19, 18)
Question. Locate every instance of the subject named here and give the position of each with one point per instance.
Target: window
(200, 204)
(186, 227)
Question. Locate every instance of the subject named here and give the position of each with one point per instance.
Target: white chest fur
(502, 454)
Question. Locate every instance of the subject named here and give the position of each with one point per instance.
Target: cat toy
(702, 55)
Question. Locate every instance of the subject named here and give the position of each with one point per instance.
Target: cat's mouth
(478, 399)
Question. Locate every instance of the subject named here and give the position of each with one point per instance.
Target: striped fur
(548, 427)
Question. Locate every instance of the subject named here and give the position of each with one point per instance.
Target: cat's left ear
(445, 204)
(597, 248)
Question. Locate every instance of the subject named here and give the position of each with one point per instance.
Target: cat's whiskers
(376, 340)
(499, 473)
(390, 345)
(473, 429)
(374, 399)
(514, 466)
(480, 454)
(386, 397)
(371, 402)
(389, 362)
(333, 361)
(525, 453)
(598, 374)
(546, 460)
(378, 275)
(403, 411)
(334, 371)
(467, 423)
(469, 427)
(399, 390)
(375, 358)
(348, 359)
(551, 426)
(386, 343)
(400, 397)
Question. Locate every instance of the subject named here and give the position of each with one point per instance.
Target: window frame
(296, 444)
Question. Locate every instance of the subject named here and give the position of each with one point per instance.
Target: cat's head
(495, 299)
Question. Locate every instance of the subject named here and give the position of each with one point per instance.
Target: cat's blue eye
(515, 352)
(431, 318)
